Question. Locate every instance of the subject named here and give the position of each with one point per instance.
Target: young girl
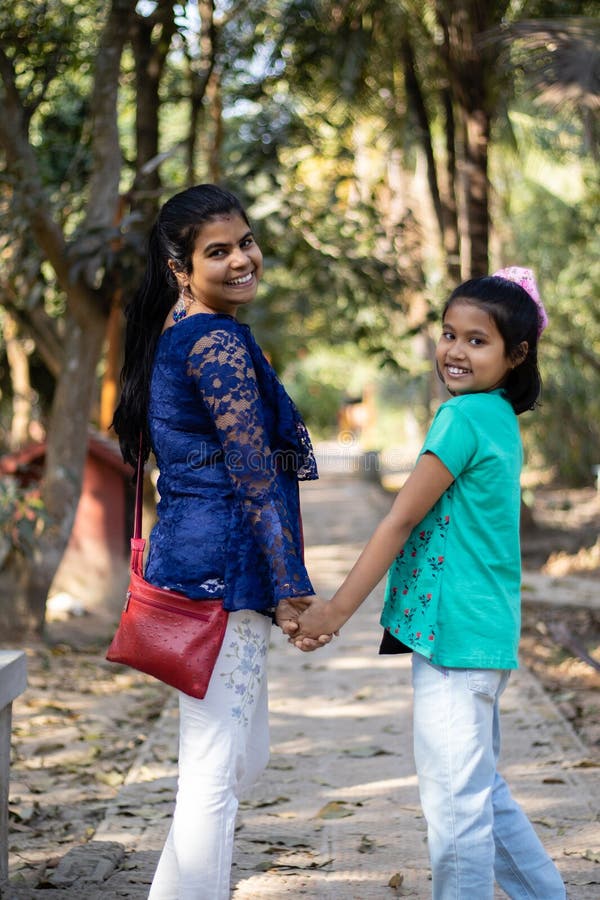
(451, 543)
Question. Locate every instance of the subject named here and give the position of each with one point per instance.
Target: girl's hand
(320, 619)
(287, 614)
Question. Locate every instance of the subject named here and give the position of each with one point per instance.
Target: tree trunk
(87, 306)
(471, 73)
(448, 195)
(66, 452)
(417, 104)
(16, 620)
(148, 68)
(475, 187)
(151, 39)
(109, 393)
(200, 72)
(476, 141)
(442, 192)
(26, 582)
(216, 114)
(18, 363)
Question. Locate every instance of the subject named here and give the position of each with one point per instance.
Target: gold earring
(180, 309)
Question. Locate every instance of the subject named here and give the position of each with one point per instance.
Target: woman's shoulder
(201, 329)
(222, 333)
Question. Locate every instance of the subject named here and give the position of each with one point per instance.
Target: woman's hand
(286, 616)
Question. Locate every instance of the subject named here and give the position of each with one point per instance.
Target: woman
(230, 446)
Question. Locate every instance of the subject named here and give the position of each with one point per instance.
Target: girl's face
(470, 355)
(226, 266)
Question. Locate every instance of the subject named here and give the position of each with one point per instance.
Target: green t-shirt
(453, 593)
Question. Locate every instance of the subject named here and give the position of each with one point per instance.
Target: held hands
(318, 619)
(287, 616)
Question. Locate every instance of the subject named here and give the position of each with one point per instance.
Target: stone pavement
(337, 814)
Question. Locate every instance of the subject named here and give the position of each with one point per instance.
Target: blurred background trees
(386, 150)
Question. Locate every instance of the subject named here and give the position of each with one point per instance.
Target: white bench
(13, 681)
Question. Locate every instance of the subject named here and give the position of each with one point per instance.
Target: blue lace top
(230, 447)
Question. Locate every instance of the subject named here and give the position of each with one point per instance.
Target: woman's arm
(425, 485)
(222, 367)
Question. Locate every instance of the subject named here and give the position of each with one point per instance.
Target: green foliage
(317, 399)
(313, 171)
(38, 38)
(51, 47)
(565, 431)
(325, 278)
(23, 517)
(320, 381)
(319, 137)
(570, 422)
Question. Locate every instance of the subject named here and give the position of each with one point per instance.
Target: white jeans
(223, 748)
(476, 831)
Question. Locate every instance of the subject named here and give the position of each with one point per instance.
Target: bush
(23, 517)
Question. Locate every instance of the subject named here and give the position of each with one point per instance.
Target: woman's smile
(241, 280)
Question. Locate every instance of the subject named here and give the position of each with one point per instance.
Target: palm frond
(559, 57)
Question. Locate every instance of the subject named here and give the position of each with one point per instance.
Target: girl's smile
(470, 355)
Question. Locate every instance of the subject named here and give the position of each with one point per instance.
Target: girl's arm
(425, 485)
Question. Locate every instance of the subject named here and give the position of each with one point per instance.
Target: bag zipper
(158, 605)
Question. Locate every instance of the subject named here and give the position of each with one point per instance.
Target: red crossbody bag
(164, 633)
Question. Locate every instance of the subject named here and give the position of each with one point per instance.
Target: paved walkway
(337, 813)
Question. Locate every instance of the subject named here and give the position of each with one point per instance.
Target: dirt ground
(65, 769)
(566, 541)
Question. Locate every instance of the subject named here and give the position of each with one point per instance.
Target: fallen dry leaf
(335, 809)
(260, 804)
(366, 752)
(548, 823)
(366, 845)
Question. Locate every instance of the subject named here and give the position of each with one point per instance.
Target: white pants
(223, 748)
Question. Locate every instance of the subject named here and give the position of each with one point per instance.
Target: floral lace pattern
(213, 586)
(223, 369)
(248, 649)
(230, 446)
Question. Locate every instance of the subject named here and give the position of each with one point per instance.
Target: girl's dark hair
(173, 237)
(515, 315)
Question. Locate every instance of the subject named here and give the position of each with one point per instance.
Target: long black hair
(173, 237)
(515, 314)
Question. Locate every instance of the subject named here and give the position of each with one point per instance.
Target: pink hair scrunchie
(526, 279)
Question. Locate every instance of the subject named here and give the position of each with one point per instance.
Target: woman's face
(226, 266)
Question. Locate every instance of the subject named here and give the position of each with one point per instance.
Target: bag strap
(138, 543)
(139, 491)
